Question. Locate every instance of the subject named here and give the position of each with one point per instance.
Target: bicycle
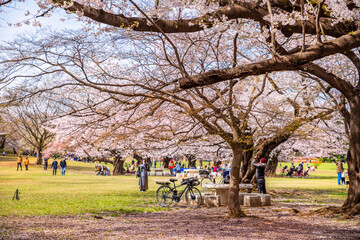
(209, 179)
(165, 194)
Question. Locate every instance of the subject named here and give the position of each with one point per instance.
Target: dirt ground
(281, 220)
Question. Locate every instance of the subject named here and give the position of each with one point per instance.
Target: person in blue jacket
(54, 166)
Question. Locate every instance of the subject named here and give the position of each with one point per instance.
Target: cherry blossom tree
(254, 38)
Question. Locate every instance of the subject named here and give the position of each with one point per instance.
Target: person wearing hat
(260, 174)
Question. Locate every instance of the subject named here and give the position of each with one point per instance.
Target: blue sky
(15, 13)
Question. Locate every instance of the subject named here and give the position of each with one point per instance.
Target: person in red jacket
(171, 166)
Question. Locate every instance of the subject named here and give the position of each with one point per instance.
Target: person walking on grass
(54, 166)
(63, 167)
(45, 163)
(19, 163)
(26, 162)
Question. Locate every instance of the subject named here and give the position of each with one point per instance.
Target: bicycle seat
(172, 180)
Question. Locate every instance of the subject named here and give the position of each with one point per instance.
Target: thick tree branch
(281, 63)
(251, 10)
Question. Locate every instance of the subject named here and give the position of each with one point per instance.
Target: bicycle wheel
(193, 197)
(164, 196)
(205, 181)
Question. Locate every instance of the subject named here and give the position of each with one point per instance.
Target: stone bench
(254, 199)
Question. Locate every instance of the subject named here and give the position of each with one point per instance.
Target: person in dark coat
(260, 174)
(143, 180)
(45, 163)
(63, 166)
(54, 166)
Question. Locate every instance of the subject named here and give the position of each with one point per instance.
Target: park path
(279, 221)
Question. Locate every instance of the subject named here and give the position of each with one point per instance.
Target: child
(343, 178)
(347, 180)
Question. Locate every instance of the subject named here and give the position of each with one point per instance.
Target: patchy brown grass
(282, 220)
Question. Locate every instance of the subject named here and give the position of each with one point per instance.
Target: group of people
(54, 166)
(342, 176)
(19, 163)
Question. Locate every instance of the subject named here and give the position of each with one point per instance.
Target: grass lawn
(81, 191)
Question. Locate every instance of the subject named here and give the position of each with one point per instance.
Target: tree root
(236, 214)
(343, 212)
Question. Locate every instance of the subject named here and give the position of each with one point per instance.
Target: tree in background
(27, 123)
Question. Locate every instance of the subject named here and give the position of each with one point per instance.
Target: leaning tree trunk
(234, 204)
(352, 203)
(39, 156)
(118, 166)
(271, 166)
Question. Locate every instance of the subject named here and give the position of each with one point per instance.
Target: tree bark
(352, 203)
(271, 166)
(166, 162)
(118, 166)
(191, 160)
(2, 142)
(234, 209)
(39, 156)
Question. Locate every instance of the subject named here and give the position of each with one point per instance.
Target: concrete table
(191, 172)
(222, 190)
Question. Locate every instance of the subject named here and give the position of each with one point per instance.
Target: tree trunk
(271, 166)
(234, 204)
(39, 156)
(352, 203)
(119, 166)
(191, 160)
(2, 142)
(166, 162)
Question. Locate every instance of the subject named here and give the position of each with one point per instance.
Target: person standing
(143, 180)
(26, 162)
(19, 163)
(339, 170)
(63, 167)
(178, 167)
(347, 180)
(260, 174)
(171, 166)
(45, 163)
(54, 166)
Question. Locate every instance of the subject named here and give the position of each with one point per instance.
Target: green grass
(81, 191)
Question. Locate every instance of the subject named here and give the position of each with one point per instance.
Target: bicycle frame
(182, 192)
